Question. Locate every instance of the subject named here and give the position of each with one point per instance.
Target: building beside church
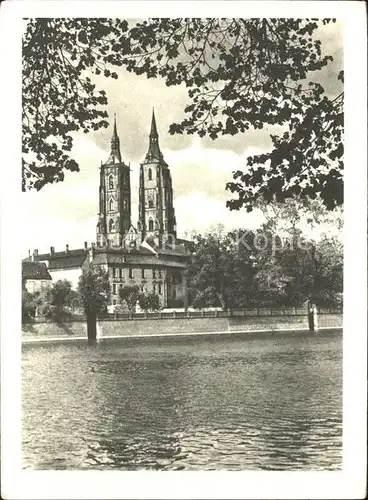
(148, 255)
(35, 276)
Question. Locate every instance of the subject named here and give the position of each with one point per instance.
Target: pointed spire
(153, 125)
(115, 131)
(115, 155)
(154, 152)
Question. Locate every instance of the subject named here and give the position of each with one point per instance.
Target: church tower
(114, 216)
(156, 210)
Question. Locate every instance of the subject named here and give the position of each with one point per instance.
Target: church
(149, 254)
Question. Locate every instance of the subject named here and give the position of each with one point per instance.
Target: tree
(94, 288)
(73, 300)
(240, 74)
(59, 96)
(56, 301)
(328, 262)
(243, 269)
(296, 213)
(299, 266)
(149, 302)
(30, 303)
(130, 295)
(220, 272)
(59, 292)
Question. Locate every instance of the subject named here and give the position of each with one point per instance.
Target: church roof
(35, 271)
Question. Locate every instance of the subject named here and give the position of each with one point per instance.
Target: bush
(149, 302)
(130, 295)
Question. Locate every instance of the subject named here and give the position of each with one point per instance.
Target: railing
(260, 312)
(235, 313)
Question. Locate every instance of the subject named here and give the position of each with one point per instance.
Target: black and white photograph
(182, 228)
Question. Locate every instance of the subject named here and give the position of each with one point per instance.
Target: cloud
(197, 211)
(205, 169)
(63, 212)
(67, 212)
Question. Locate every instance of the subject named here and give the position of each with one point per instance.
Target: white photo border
(350, 482)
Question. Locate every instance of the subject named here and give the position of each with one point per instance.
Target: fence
(255, 312)
(258, 312)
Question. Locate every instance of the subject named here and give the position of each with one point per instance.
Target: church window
(111, 205)
(156, 224)
(130, 273)
(150, 225)
(150, 174)
(125, 205)
(111, 225)
(150, 204)
(111, 182)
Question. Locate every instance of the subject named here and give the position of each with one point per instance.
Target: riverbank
(149, 327)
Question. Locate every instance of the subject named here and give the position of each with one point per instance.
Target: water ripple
(206, 404)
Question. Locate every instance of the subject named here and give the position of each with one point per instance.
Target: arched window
(111, 205)
(111, 225)
(150, 174)
(111, 182)
(150, 204)
(125, 205)
(150, 225)
(156, 224)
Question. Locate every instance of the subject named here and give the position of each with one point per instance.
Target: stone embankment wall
(181, 325)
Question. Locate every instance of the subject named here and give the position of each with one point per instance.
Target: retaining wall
(330, 320)
(131, 328)
(49, 329)
(268, 323)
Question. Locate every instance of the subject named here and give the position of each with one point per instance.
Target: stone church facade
(148, 255)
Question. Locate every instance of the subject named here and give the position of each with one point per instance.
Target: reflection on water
(187, 403)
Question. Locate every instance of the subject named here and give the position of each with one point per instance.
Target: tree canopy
(245, 269)
(94, 288)
(239, 74)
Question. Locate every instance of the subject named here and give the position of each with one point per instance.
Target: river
(241, 402)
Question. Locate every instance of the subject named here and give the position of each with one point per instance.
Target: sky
(66, 212)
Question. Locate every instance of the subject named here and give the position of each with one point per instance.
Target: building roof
(139, 256)
(71, 259)
(67, 262)
(35, 271)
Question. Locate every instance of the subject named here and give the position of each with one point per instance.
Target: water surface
(186, 403)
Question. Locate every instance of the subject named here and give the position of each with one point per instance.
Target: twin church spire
(156, 211)
(153, 153)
